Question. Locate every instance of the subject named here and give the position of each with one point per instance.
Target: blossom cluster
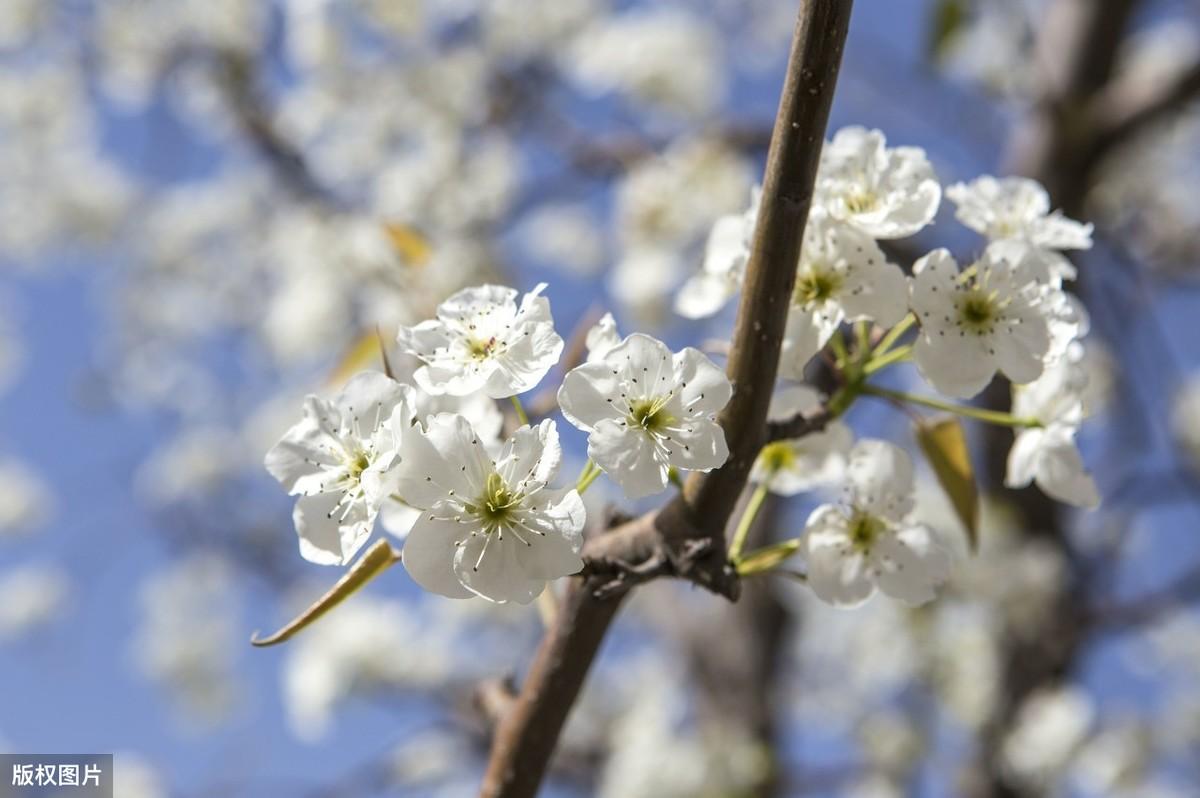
(479, 513)
(1006, 312)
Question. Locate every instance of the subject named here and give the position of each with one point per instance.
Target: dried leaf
(378, 559)
(944, 443)
(767, 557)
(409, 243)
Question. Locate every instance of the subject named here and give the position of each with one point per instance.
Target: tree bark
(687, 538)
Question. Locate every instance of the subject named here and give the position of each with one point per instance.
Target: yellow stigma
(864, 529)
(481, 349)
(815, 285)
(861, 202)
(777, 456)
(495, 506)
(650, 414)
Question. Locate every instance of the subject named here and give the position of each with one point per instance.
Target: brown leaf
(944, 443)
(378, 559)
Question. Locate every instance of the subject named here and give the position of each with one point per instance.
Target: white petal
(602, 338)
(704, 388)
(837, 572)
(1061, 473)
(629, 458)
(561, 515)
(879, 293)
(698, 446)
(911, 565)
(587, 394)
(703, 295)
(397, 518)
(880, 479)
(293, 461)
(428, 556)
(792, 400)
(330, 541)
(959, 366)
(530, 458)
(1023, 457)
(494, 572)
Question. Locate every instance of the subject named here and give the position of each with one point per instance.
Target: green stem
(591, 473)
(524, 419)
(838, 344)
(862, 337)
(978, 413)
(747, 520)
(894, 334)
(878, 362)
(675, 479)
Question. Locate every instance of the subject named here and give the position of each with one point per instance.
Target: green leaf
(378, 559)
(944, 443)
(766, 558)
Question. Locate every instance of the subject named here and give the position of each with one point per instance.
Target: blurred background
(208, 208)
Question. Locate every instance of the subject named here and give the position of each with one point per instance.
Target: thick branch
(1129, 106)
(687, 537)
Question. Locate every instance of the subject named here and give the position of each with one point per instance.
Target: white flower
(819, 458)
(489, 527)
(988, 318)
(1050, 726)
(482, 340)
(1016, 208)
(1185, 420)
(725, 255)
(645, 410)
(842, 275)
(886, 193)
(602, 338)
(1047, 454)
(867, 541)
(335, 459)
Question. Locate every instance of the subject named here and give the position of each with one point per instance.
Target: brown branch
(687, 538)
(1129, 106)
(236, 77)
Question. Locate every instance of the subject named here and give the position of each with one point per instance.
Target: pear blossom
(1016, 208)
(726, 253)
(842, 275)
(489, 527)
(1047, 454)
(395, 515)
(646, 410)
(868, 541)
(601, 338)
(482, 340)
(789, 467)
(884, 192)
(974, 323)
(335, 459)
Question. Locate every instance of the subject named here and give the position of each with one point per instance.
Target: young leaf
(766, 558)
(378, 559)
(945, 446)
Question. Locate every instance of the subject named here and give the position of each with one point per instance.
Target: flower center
(497, 504)
(359, 463)
(978, 311)
(864, 530)
(650, 414)
(777, 456)
(814, 285)
(480, 350)
(861, 201)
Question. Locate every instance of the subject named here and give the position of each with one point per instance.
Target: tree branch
(1129, 106)
(687, 537)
